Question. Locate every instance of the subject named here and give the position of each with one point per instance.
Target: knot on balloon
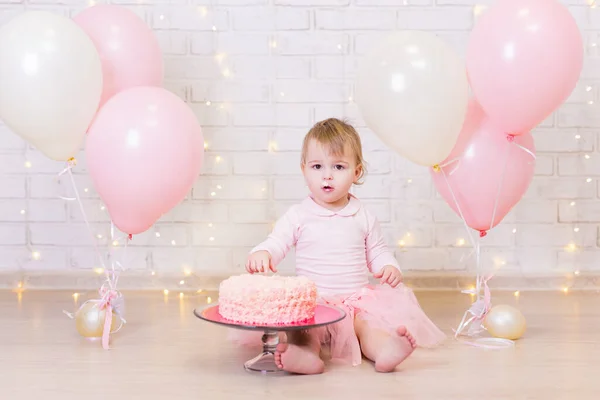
(482, 234)
(130, 236)
(72, 161)
(510, 137)
(436, 168)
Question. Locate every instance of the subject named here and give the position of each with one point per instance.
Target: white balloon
(413, 92)
(50, 82)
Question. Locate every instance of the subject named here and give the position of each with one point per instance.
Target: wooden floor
(164, 352)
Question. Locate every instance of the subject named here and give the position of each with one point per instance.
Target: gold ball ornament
(89, 320)
(506, 322)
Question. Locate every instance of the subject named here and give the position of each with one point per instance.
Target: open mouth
(326, 187)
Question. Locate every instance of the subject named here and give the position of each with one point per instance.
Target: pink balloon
(144, 152)
(524, 58)
(475, 167)
(128, 48)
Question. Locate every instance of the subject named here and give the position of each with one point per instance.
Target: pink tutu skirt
(381, 306)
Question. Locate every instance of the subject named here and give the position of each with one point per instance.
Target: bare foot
(396, 350)
(298, 360)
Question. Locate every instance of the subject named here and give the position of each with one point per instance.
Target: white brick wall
(258, 73)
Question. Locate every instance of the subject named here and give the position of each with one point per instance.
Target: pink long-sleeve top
(335, 249)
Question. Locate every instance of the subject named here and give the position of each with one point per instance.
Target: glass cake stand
(265, 361)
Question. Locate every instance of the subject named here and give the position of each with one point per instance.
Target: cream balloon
(505, 322)
(89, 320)
(412, 90)
(50, 82)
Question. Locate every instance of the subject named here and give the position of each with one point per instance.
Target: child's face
(329, 177)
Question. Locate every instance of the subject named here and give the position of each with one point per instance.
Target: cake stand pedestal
(265, 361)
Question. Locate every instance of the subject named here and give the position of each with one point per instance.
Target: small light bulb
(572, 203)
(588, 180)
(460, 242)
(212, 239)
(588, 89)
(182, 282)
(218, 158)
(576, 229)
(565, 289)
(187, 272)
(161, 17)
(219, 187)
(514, 230)
(27, 164)
(587, 156)
(153, 273)
(36, 255)
(166, 292)
(409, 181)
(591, 102)
(157, 234)
(210, 225)
(99, 271)
(213, 194)
(20, 285)
(214, 28)
(577, 137)
(401, 243)
(208, 103)
(577, 272)
(181, 295)
(173, 242)
(115, 243)
(208, 300)
(517, 293)
(22, 212)
(102, 208)
(86, 190)
(99, 236)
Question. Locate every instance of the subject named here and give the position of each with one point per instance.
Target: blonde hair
(336, 134)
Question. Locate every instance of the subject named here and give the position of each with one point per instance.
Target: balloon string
(506, 156)
(69, 170)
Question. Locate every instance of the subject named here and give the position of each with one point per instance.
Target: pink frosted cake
(266, 300)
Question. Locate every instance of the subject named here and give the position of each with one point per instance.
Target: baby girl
(338, 243)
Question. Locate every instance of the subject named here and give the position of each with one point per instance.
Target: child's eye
(317, 166)
(339, 167)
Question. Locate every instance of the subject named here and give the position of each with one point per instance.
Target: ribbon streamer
(111, 300)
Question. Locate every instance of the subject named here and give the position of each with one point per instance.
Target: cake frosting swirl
(267, 300)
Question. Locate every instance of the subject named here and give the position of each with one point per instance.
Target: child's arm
(379, 256)
(282, 239)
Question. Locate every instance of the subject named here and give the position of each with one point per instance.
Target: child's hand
(259, 262)
(390, 275)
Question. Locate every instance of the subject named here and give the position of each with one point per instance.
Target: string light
(20, 285)
(208, 300)
(460, 242)
(212, 239)
(587, 156)
(590, 102)
(115, 243)
(166, 292)
(218, 159)
(588, 180)
(272, 146)
(75, 296)
(577, 137)
(210, 225)
(514, 230)
(409, 181)
(588, 89)
(161, 17)
(401, 243)
(153, 273)
(36, 255)
(99, 236)
(478, 9)
(187, 272)
(203, 11)
(577, 272)
(572, 203)
(273, 44)
(205, 145)
(182, 282)
(173, 242)
(214, 28)
(517, 293)
(27, 164)
(181, 295)
(576, 229)
(208, 103)
(565, 289)
(22, 212)
(102, 208)
(571, 247)
(213, 194)
(219, 187)
(99, 271)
